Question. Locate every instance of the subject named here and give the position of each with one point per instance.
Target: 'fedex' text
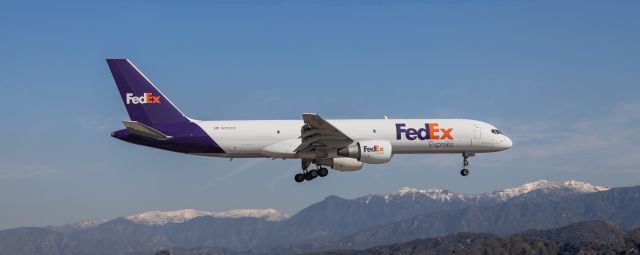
(375, 148)
(429, 132)
(146, 98)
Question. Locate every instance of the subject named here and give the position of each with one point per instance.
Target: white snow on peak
(502, 195)
(435, 194)
(545, 185)
(84, 224)
(267, 214)
(180, 216)
(80, 225)
(584, 187)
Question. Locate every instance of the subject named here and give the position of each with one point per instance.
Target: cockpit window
(495, 131)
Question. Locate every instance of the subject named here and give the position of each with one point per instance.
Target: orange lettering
(446, 133)
(433, 130)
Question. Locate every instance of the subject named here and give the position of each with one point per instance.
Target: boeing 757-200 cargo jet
(342, 145)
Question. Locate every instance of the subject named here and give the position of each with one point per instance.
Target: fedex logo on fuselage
(375, 148)
(146, 98)
(429, 132)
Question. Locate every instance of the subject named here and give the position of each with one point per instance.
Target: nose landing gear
(465, 163)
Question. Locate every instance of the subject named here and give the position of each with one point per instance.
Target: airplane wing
(320, 136)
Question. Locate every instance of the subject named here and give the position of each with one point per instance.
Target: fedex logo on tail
(146, 98)
(429, 132)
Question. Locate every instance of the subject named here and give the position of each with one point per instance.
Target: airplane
(341, 144)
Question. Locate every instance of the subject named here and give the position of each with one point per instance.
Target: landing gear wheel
(322, 172)
(308, 177)
(465, 163)
(312, 174)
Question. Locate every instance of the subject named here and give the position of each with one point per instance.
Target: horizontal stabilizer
(143, 130)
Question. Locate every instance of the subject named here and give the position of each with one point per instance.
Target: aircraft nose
(506, 143)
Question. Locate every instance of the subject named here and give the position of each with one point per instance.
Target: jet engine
(369, 151)
(346, 164)
(341, 164)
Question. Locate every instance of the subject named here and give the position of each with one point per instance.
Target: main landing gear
(310, 174)
(465, 163)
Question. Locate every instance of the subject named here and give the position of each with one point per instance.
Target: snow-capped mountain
(571, 186)
(180, 216)
(403, 215)
(528, 189)
(339, 215)
(367, 210)
(80, 225)
(84, 224)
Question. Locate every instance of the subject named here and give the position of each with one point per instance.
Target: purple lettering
(399, 130)
(412, 134)
(424, 131)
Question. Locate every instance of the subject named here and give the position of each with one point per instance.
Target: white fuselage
(279, 138)
(343, 145)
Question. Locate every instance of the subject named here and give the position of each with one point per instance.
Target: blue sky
(561, 78)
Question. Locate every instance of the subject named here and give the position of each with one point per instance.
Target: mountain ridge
(501, 195)
(615, 205)
(337, 222)
(587, 237)
(436, 194)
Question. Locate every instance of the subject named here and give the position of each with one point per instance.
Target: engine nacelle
(346, 164)
(342, 164)
(369, 151)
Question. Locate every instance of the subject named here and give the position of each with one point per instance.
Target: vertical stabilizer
(144, 102)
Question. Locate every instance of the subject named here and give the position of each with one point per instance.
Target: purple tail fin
(144, 102)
